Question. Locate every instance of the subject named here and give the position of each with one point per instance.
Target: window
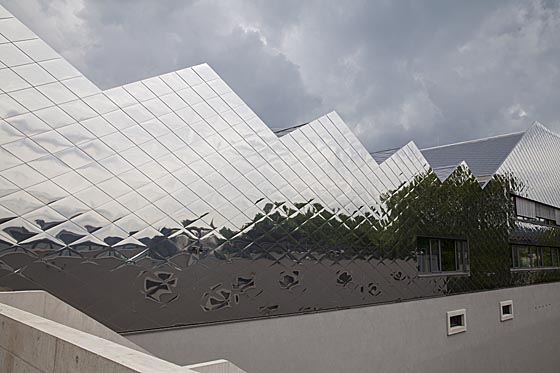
(532, 211)
(524, 256)
(456, 321)
(436, 255)
(506, 310)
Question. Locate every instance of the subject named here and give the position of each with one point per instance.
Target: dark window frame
(461, 258)
(537, 257)
(536, 219)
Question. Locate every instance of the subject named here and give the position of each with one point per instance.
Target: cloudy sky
(431, 71)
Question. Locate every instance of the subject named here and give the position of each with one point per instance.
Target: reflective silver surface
(168, 202)
(534, 161)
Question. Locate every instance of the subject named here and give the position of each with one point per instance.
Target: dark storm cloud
(433, 71)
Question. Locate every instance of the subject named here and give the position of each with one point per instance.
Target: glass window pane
(466, 264)
(524, 257)
(434, 256)
(534, 255)
(448, 259)
(514, 257)
(423, 247)
(461, 253)
(554, 253)
(546, 257)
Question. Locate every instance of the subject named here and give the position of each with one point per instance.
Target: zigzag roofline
(474, 140)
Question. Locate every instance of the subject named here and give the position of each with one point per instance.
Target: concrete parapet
(30, 343)
(216, 366)
(43, 304)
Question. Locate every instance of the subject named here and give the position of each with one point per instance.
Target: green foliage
(456, 208)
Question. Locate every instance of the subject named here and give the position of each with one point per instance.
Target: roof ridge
(475, 140)
(385, 150)
(278, 130)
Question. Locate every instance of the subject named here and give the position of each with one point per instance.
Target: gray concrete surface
(43, 304)
(216, 366)
(49, 308)
(29, 343)
(402, 337)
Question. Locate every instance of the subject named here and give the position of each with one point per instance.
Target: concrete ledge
(43, 304)
(216, 366)
(29, 343)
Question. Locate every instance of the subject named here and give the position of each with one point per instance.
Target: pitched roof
(483, 156)
(381, 155)
(284, 131)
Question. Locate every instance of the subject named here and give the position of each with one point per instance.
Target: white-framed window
(506, 310)
(456, 321)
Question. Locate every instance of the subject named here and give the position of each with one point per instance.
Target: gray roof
(443, 172)
(382, 155)
(483, 156)
(284, 131)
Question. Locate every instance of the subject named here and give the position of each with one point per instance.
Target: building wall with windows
(168, 202)
(400, 337)
(535, 241)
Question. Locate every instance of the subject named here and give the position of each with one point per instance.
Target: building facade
(167, 202)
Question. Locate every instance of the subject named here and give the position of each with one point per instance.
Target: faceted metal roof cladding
(484, 156)
(381, 155)
(284, 131)
(168, 202)
(177, 158)
(536, 163)
(444, 172)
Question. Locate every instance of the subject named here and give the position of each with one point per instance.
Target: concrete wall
(216, 366)
(32, 344)
(401, 337)
(43, 304)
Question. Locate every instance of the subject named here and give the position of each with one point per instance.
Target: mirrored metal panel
(168, 202)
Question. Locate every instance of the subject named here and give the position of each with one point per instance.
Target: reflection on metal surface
(168, 202)
(160, 286)
(289, 279)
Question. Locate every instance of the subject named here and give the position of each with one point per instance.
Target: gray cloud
(433, 72)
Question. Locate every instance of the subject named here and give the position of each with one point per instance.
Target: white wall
(410, 336)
